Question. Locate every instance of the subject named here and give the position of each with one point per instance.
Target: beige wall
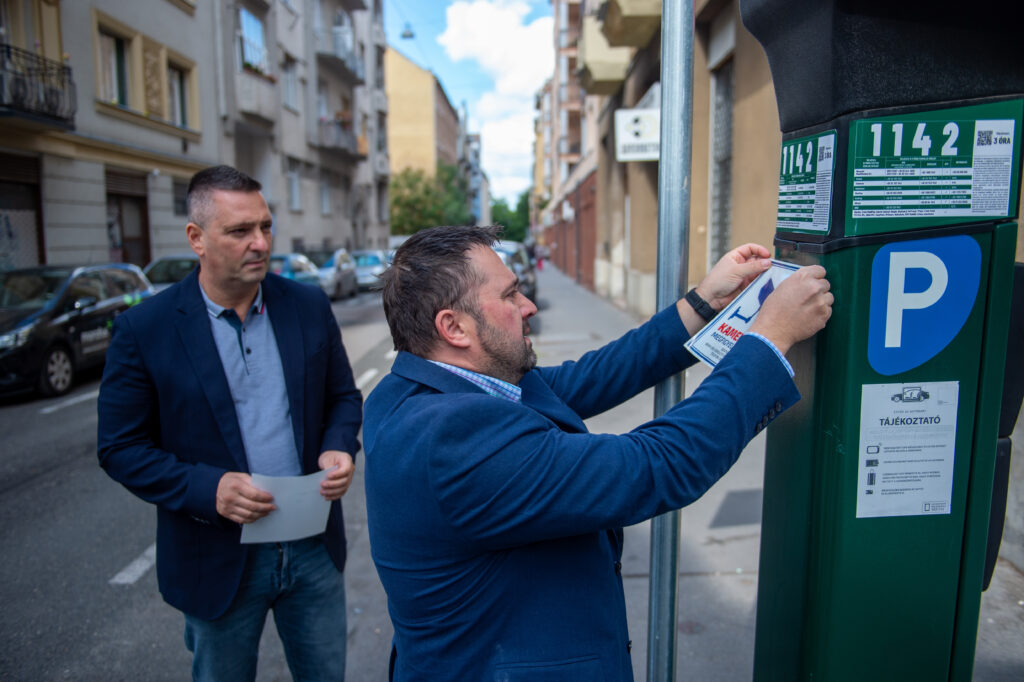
(410, 91)
(446, 125)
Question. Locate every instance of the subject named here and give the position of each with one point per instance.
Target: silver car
(370, 264)
(337, 271)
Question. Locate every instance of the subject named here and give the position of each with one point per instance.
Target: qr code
(984, 138)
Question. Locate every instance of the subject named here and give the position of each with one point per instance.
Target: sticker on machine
(907, 443)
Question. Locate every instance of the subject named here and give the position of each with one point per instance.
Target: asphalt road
(67, 531)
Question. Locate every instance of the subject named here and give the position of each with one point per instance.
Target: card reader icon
(871, 463)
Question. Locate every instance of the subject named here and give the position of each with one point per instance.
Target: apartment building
(107, 108)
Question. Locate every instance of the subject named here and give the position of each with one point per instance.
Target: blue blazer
(168, 429)
(496, 527)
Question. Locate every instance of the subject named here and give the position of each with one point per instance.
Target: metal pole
(673, 253)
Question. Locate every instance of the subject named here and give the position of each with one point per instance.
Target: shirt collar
(217, 310)
(490, 385)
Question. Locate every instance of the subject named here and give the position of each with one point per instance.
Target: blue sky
(493, 55)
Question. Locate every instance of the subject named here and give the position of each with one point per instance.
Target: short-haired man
(230, 372)
(494, 516)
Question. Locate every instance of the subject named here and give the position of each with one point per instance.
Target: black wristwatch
(702, 307)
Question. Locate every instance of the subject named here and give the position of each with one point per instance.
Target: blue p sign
(921, 295)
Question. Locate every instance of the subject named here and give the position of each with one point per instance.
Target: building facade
(103, 121)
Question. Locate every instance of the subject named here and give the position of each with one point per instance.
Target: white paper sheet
(301, 510)
(718, 337)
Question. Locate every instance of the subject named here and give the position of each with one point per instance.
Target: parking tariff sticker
(907, 446)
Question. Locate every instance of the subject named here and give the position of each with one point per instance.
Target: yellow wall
(411, 107)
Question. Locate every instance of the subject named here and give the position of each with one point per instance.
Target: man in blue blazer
(494, 516)
(230, 372)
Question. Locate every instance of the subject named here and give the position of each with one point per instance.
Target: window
(177, 89)
(252, 42)
(382, 133)
(325, 193)
(180, 191)
(290, 83)
(294, 188)
(721, 161)
(382, 201)
(113, 78)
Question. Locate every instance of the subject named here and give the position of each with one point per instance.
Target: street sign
(637, 134)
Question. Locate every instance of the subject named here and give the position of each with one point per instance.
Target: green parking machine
(900, 174)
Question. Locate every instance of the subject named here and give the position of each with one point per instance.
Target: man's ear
(453, 327)
(195, 238)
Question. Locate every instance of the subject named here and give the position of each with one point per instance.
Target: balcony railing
(335, 47)
(339, 136)
(37, 86)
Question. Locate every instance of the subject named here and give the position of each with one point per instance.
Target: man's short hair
(206, 181)
(431, 272)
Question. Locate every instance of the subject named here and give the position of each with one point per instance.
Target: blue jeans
(306, 591)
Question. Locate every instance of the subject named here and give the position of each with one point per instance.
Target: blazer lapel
(288, 333)
(538, 396)
(193, 326)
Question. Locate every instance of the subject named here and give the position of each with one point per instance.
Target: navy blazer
(168, 430)
(496, 527)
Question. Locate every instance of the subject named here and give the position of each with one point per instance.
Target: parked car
(515, 256)
(168, 270)
(57, 320)
(370, 264)
(295, 266)
(337, 271)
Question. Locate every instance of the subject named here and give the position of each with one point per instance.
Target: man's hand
(338, 480)
(797, 309)
(724, 282)
(240, 501)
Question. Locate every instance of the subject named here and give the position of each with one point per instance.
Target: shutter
(127, 184)
(17, 168)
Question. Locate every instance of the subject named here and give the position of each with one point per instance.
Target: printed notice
(805, 183)
(301, 511)
(907, 445)
(718, 337)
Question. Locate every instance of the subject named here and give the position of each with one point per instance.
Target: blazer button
(778, 406)
(618, 568)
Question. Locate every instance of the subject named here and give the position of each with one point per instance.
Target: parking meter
(900, 174)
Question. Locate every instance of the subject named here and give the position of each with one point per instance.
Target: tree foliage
(419, 201)
(516, 222)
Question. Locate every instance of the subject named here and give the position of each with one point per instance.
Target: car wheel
(57, 373)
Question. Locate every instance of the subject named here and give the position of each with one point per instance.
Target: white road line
(69, 402)
(136, 569)
(391, 354)
(366, 377)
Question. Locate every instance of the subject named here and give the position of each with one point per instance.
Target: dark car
(518, 260)
(167, 270)
(295, 266)
(57, 320)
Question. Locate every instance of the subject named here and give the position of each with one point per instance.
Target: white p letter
(899, 300)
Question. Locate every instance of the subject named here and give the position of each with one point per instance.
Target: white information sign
(718, 337)
(637, 134)
(907, 445)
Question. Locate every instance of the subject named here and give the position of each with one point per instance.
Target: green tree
(516, 222)
(419, 201)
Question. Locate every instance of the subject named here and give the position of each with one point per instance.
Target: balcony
(36, 89)
(631, 23)
(381, 164)
(602, 67)
(256, 95)
(333, 49)
(569, 95)
(338, 136)
(380, 100)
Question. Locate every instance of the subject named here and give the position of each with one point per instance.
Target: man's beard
(508, 358)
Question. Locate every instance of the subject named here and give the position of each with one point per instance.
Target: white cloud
(519, 57)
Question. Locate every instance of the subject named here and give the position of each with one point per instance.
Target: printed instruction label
(805, 183)
(719, 335)
(907, 445)
(932, 168)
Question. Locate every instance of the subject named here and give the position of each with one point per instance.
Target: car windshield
(30, 289)
(367, 259)
(321, 257)
(170, 270)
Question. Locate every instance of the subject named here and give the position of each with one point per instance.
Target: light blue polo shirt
(252, 363)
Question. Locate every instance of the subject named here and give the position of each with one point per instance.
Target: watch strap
(702, 307)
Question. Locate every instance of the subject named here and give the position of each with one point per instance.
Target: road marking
(366, 377)
(136, 569)
(69, 402)
(391, 354)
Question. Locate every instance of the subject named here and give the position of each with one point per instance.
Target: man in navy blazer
(494, 516)
(230, 372)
